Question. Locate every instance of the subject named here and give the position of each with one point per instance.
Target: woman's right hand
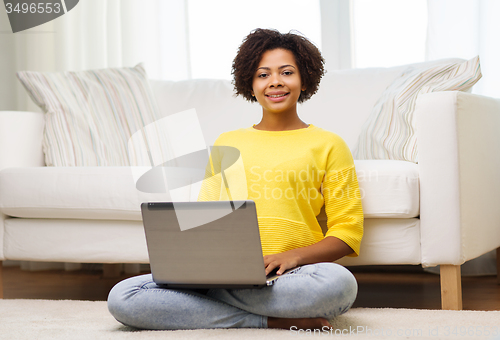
(282, 262)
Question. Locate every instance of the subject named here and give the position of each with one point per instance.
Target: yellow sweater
(290, 175)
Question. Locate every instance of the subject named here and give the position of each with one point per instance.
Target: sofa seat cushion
(107, 193)
(389, 190)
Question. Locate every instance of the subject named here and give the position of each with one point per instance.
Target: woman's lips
(277, 97)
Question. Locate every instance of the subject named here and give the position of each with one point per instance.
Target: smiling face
(276, 83)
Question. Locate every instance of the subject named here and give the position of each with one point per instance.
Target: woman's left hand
(282, 261)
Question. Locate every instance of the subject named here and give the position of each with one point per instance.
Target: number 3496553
(33, 8)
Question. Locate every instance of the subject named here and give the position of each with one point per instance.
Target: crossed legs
(322, 290)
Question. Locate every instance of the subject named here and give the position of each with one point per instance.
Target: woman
(291, 169)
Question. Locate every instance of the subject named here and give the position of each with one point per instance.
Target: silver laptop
(213, 244)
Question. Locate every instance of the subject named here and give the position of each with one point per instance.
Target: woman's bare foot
(300, 323)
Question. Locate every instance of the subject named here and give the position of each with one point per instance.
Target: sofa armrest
(20, 145)
(459, 167)
(21, 139)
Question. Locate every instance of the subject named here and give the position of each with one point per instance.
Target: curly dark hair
(307, 56)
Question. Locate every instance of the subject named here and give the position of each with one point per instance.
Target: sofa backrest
(341, 105)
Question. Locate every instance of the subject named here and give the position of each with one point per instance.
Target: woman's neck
(271, 122)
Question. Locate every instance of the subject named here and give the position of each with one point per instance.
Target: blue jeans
(317, 290)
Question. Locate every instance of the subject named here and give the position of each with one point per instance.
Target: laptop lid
(214, 244)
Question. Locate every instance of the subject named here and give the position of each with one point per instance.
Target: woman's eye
(287, 73)
(262, 75)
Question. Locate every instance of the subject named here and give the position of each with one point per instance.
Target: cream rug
(66, 319)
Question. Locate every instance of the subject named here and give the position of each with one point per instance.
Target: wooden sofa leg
(1, 280)
(451, 287)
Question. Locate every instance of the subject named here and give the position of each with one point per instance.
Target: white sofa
(442, 211)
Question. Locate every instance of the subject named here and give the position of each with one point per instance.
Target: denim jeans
(317, 290)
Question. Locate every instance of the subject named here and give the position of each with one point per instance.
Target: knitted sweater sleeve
(343, 198)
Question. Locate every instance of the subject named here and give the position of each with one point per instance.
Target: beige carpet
(66, 319)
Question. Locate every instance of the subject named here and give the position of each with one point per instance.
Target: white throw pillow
(90, 115)
(390, 130)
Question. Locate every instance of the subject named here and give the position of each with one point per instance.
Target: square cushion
(390, 130)
(90, 115)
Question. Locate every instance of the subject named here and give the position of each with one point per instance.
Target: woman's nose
(275, 80)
